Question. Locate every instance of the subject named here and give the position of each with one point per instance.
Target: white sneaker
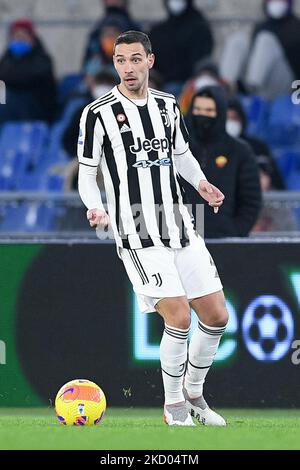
(177, 415)
(200, 410)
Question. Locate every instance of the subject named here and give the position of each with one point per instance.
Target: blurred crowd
(212, 95)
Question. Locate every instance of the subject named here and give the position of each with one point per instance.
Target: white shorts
(160, 272)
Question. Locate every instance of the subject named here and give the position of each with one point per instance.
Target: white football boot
(177, 415)
(199, 409)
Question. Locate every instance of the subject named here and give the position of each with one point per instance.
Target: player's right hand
(97, 217)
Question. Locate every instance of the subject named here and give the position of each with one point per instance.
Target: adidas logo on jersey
(125, 128)
(148, 145)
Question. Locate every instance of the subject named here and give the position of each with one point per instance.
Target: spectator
(26, 70)
(110, 30)
(96, 87)
(180, 42)
(101, 84)
(236, 126)
(115, 10)
(206, 74)
(227, 162)
(266, 60)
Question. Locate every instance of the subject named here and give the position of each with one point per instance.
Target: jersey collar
(127, 102)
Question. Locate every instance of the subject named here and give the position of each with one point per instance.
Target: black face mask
(203, 125)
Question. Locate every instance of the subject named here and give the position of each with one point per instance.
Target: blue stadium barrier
(29, 217)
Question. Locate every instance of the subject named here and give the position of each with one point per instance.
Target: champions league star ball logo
(268, 328)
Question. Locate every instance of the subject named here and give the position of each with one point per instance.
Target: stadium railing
(56, 215)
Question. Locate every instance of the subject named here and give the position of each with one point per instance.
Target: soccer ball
(80, 403)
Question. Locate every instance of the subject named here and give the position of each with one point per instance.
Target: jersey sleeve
(88, 187)
(186, 164)
(91, 134)
(181, 135)
(90, 143)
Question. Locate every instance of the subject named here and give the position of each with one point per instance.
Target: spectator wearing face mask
(97, 86)
(228, 163)
(236, 126)
(115, 10)
(26, 69)
(111, 28)
(267, 60)
(180, 42)
(206, 74)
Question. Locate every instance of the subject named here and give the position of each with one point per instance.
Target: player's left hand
(211, 194)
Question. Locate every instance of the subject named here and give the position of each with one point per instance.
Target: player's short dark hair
(130, 37)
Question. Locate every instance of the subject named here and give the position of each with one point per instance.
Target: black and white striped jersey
(139, 150)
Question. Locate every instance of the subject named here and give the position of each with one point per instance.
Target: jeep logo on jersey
(148, 145)
(150, 163)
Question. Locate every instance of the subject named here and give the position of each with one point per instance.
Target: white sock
(202, 350)
(173, 356)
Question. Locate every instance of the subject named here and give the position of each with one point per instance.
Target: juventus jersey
(136, 148)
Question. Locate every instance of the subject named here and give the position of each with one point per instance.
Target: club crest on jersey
(165, 117)
(149, 145)
(121, 117)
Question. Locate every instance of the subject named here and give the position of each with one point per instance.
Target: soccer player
(138, 138)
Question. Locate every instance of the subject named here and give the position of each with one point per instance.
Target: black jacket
(31, 74)
(236, 176)
(121, 16)
(179, 43)
(70, 135)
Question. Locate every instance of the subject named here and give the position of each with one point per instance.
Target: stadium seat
(22, 146)
(29, 150)
(13, 168)
(28, 138)
(256, 109)
(55, 154)
(288, 160)
(67, 86)
(284, 122)
(55, 138)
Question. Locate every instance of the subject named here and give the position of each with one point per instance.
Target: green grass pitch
(134, 429)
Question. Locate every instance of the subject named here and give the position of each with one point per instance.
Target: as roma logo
(121, 117)
(221, 161)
